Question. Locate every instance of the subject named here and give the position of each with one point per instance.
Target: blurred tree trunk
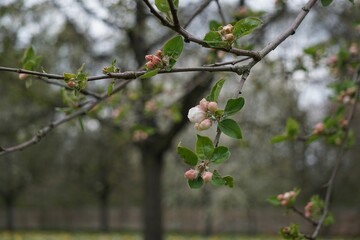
(104, 209)
(152, 164)
(9, 200)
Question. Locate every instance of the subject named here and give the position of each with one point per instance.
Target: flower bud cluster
(193, 174)
(286, 198)
(319, 128)
(202, 114)
(156, 61)
(227, 34)
(308, 208)
(347, 96)
(139, 135)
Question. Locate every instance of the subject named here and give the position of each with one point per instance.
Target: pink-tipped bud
(205, 124)
(307, 214)
(156, 60)
(354, 50)
(158, 53)
(191, 174)
(280, 197)
(284, 202)
(308, 206)
(149, 57)
(292, 194)
(207, 176)
(204, 104)
(319, 128)
(212, 106)
(196, 114)
(332, 60)
(71, 84)
(150, 65)
(23, 76)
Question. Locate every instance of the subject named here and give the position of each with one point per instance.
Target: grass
(50, 235)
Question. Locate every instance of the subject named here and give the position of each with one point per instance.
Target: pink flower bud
(332, 60)
(319, 128)
(212, 106)
(292, 194)
(23, 76)
(287, 195)
(354, 50)
(150, 65)
(204, 104)
(207, 176)
(158, 53)
(307, 214)
(280, 197)
(191, 174)
(149, 57)
(156, 59)
(284, 202)
(205, 124)
(196, 114)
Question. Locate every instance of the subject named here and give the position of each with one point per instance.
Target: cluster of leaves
(242, 28)
(171, 51)
(108, 70)
(317, 210)
(291, 232)
(30, 60)
(76, 81)
(206, 153)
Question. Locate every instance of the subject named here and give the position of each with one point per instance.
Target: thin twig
(221, 13)
(174, 15)
(339, 160)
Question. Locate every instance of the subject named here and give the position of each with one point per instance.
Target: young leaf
(110, 87)
(326, 3)
(30, 60)
(150, 73)
(174, 47)
(246, 26)
(215, 91)
(292, 127)
(214, 25)
(279, 138)
(230, 128)
(229, 181)
(217, 180)
(163, 5)
(188, 155)
(196, 183)
(274, 201)
(234, 105)
(213, 39)
(204, 147)
(220, 155)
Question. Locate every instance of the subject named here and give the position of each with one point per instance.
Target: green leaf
(234, 105)
(68, 76)
(246, 26)
(274, 201)
(230, 128)
(292, 128)
(214, 25)
(81, 124)
(326, 3)
(196, 183)
(30, 60)
(329, 219)
(279, 138)
(213, 39)
(188, 155)
(204, 147)
(217, 180)
(220, 155)
(215, 91)
(150, 73)
(174, 47)
(163, 5)
(229, 181)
